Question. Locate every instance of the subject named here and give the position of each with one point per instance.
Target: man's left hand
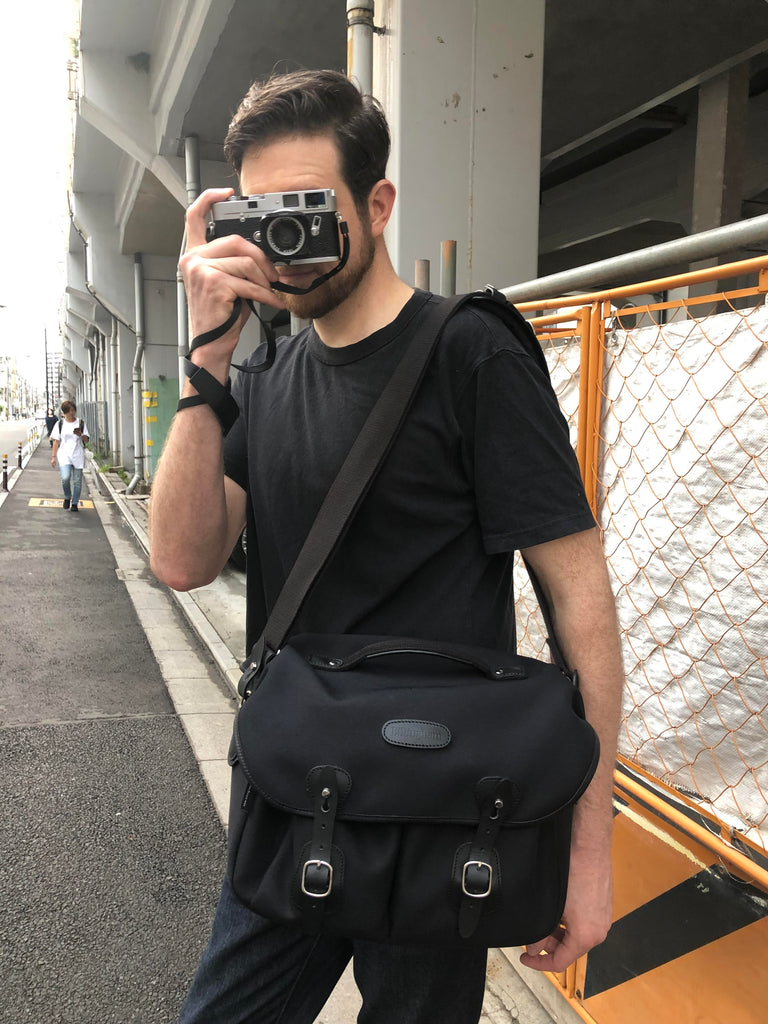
(586, 918)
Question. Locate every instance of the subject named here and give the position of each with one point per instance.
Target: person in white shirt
(69, 436)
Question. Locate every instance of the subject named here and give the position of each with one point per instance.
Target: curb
(226, 663)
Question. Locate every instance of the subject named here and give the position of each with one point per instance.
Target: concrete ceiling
(606, 62)
(271, 35)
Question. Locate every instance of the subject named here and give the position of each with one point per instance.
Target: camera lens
(285, 235)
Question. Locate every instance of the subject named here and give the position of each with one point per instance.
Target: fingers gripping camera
(290, 227)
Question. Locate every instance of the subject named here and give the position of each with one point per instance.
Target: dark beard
(329, 296)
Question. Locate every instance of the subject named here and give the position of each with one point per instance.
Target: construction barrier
(665, 387)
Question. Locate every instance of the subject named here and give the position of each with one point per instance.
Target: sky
(34, 126)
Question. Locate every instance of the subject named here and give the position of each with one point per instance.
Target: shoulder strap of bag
(356, 476)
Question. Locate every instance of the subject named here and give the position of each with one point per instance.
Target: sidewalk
(111, 854)
(116, 705)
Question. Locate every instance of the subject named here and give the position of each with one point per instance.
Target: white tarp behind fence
(683, 503)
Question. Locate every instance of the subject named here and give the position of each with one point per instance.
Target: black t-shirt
(482, 466)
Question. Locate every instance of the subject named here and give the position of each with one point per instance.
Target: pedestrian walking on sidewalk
(50, 423)
(69, 438)
(482, 467)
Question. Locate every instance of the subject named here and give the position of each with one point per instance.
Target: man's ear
(380, 203)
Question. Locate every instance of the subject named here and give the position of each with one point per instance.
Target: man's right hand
(215, 274)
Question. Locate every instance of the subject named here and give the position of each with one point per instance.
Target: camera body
(290, 227)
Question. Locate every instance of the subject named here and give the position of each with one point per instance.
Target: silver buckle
(316, 864)
(476, 864)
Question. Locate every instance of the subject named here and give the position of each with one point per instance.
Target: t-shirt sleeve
(56, 432)
(517, 450)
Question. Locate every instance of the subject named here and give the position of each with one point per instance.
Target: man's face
(301, 163)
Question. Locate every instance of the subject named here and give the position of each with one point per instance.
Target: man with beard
(481, 467)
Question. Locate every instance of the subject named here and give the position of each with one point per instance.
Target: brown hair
(68, 407)
(315, 103)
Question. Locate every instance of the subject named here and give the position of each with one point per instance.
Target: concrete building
(538, 136)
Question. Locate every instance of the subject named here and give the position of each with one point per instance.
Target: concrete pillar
(718, 179)
(720, 146)
(460, 81)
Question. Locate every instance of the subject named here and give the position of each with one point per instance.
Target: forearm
(584, 617)
(189, 517)
(591, 645)
(574, 576)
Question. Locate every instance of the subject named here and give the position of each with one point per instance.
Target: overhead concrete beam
(149, 218)
(114, 99)
(690, 83)
(185, 39)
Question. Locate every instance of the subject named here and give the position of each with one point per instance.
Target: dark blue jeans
(258, 972)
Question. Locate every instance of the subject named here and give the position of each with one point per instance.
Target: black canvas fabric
(482, 466)
(426, 763)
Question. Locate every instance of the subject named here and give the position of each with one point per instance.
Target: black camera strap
(211, 391)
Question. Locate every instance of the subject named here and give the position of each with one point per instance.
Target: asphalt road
(11, 432)
(111, 854)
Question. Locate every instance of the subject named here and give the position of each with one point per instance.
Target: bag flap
(415, 734)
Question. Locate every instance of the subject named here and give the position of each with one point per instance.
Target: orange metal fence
(666, 392)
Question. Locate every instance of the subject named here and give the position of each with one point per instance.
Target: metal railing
(96, 416)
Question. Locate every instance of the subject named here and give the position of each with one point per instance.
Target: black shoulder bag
(400, 789)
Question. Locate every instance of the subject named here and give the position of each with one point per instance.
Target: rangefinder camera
(290, 227)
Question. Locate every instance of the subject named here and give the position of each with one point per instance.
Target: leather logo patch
(408, 732)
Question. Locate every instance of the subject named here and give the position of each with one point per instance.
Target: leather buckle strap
(320, 868)
(477, 879)
(317, 879)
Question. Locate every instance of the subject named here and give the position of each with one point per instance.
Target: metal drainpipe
(138, 431)
(192, 165)
(360, 44)
(114, 411)
(103, 407)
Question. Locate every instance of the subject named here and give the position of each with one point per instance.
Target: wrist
(208, 389)
(217, 366)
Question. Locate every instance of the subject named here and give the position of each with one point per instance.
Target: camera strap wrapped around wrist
(211, 391)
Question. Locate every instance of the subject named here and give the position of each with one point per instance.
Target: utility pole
(47, 374)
